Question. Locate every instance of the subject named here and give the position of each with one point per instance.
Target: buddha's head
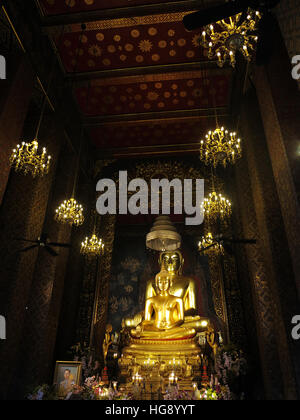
(171, 261)
(163, 281)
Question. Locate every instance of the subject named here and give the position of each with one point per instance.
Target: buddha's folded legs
(178, 332)
(200, 324)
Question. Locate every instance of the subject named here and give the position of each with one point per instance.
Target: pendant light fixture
(70, 211)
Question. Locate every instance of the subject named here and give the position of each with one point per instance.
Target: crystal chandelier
(220, 147)
(70, 212)
(216, 207)
(25, 158)
(208, 245)
(228, 36)
(92, 247)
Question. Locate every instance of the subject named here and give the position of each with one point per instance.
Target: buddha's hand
(163, 325)
(145, 324)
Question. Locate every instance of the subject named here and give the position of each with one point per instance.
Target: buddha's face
(171, 261)
(163, 283)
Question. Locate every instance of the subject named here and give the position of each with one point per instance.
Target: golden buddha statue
(183, 287)
(164, 313)
(166, 333)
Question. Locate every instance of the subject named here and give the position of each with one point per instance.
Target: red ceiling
(57, 7)
(182, 91)
(151, 133)
(134, 46)
(107, 48)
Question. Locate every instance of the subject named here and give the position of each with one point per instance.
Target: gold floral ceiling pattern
(163, 92)
(144, 45)
(172, 132)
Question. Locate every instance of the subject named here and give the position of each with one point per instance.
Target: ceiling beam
(136, 71)
(155, 116)
(126, 12)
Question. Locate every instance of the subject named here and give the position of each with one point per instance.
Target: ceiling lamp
(70, 213)
(216, 207)
(25, 158)
(208, 245)
(92, 247)
(220, 147)
(163, 235)
(228, 36)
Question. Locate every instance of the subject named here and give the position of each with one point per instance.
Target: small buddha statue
(107, 342)
(164, 314)
(212, 339)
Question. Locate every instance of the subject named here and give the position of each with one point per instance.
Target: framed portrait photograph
(67, 374)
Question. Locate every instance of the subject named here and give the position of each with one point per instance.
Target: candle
(197, 394)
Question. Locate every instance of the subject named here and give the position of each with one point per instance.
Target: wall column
(279, 101)
(39, 335)
(22, 215)
(104, 271)
(13, 111)
(276, 269)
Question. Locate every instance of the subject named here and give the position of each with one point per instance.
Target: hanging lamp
(163, 235)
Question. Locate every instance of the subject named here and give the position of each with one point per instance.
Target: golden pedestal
(161, 350)
(156, 360)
